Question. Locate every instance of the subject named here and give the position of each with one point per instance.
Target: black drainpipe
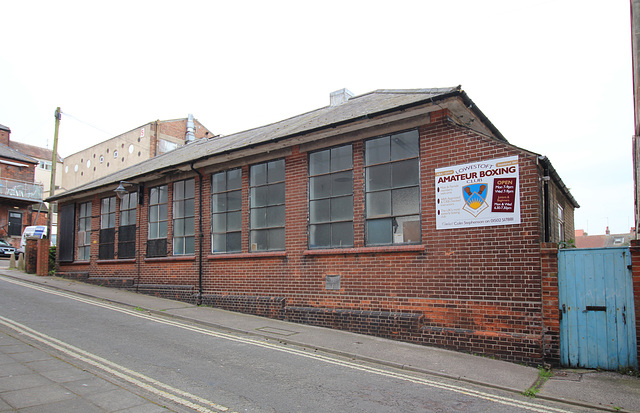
(200, 236)
(545, 179)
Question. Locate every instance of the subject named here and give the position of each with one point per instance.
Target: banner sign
(478, 194)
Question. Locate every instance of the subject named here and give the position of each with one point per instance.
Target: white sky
(554, 76)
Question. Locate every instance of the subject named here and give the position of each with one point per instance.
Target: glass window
(226, 211)
(184, 213)
(267, 213)
(158, 212)
(128, 225)
(560, 223)
(107, 228)
(392, 187)
(84, 231)
(331, 198)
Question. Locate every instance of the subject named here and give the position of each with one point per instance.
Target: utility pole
(54, 161)
(635, 58)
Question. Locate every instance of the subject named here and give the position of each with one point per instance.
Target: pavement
(58, 386)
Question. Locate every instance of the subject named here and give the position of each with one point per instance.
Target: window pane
(178, 190)
(377, 151)
(219, 222)
(259, 218)
(234, 179)
(153, 196)
(219, 182)
(190, 226)
(342, 208)
(319, 163)
(276, 194)
(133, 200)
(112, 220)
(163, 211)
(276, 239)
(342, 234)
(190, 188)
(405, 173)
(132, 217)
(190, 207)
(219, 242)
(408, 229)
(379, 231)
(320, 187)
(178, 246)
(406, 201)
(405, 145)
(234, 221)
(259, 196)
(189, 245)
(234, 242)
(153, 231)
(379, 177)
(275, 216)
(178, 209)
(163, 194)
(234, 200)
(124, 219)
(178, 227)
(219, 202)
(162, 229)
(258, 174)
(153, 213)
(341, 158)
(259, 240)
(319, 211)
(342, 183)
(275, 171)
(320, 236)
(378, 204)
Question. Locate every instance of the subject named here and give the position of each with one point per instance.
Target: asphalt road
(201, 369)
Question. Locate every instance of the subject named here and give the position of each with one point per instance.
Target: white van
(39, 231)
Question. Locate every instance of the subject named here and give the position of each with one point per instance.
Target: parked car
(6, 249)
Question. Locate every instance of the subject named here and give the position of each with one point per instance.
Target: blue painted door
(597, 316)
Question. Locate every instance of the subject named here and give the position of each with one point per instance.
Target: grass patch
(543, 375)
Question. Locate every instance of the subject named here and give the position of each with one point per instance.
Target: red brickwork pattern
(483, 290)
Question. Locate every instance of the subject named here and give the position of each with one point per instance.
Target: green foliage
(567, 244)
(543, 375)
(52, 260)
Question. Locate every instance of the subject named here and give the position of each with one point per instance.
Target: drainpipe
(545, 192)
(200, 236)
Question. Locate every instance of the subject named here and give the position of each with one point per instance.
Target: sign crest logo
(475, 196)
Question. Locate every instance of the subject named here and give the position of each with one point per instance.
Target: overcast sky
(554, 76)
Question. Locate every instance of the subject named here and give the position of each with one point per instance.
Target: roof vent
(191, 128)
(340, 96)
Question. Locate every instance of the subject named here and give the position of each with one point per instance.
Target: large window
(128, 227)
(84, 231)
(331, 198)
(392, 189)
(107, 228)
(226, 211)
(267, 206)
(184, 212)
(158, 217)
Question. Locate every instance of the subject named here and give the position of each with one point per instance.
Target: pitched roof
(9, 153)
(36, 152)
(2, 127)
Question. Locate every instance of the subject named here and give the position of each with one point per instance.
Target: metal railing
(20, 189)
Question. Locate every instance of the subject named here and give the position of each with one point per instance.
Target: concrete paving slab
(49, 364)
(68, 374)
(14, 369)
(89, 385)
(115, 400)
(29, 356)
(37, 396)
(75, 405)
(25, 381)
(146, 408)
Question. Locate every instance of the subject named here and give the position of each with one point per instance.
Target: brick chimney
(607, 232)
(4, 135)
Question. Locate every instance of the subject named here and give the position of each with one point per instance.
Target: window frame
(184, 227)
(330, 175)
(217, 211)
(561, 223)
(106, 246)
(274, 236)
(84, 234)
(127, 242)
(157, 245)
(394, 219)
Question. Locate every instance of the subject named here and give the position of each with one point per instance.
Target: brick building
(18, 192)
(398, 213)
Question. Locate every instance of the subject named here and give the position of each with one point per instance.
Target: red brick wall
(635, 265)
(472, 289)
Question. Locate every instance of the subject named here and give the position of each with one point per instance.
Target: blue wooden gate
(597, 315)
